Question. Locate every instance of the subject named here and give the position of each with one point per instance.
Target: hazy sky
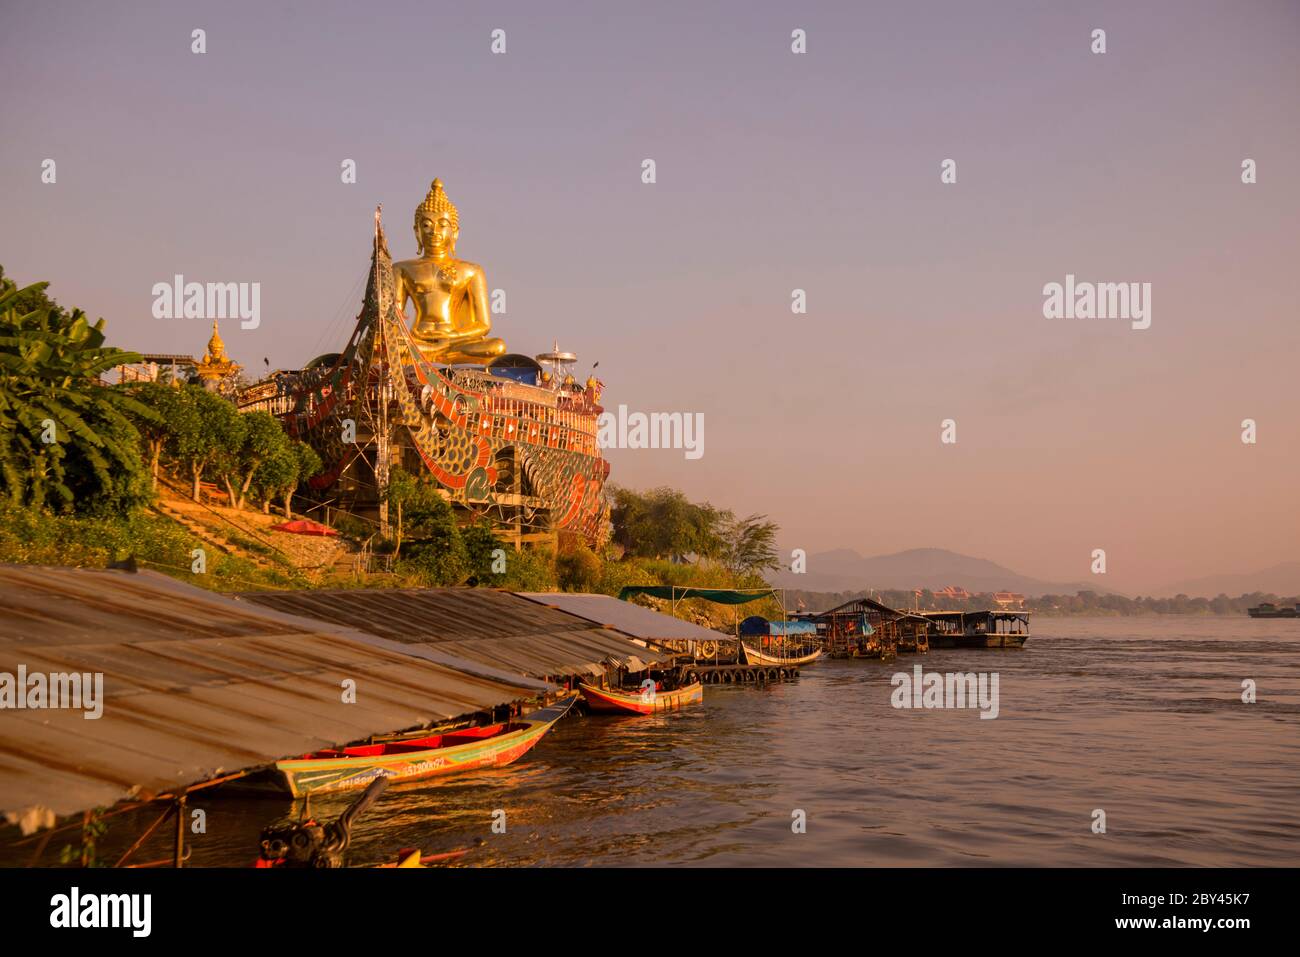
(775, 171)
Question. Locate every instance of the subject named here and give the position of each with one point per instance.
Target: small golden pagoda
(215, 365)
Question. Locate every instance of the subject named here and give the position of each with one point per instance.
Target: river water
(1140, 718)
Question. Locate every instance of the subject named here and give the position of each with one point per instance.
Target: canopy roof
(756, 625)
(496, 628)
(196, 685)
(722, 596)
(634, 620)
(864, 605)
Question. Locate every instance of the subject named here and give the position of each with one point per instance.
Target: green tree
(309, 464)
(663, 523)
(532, 569)
(174, 415)
(402, 488)
(262, 438)
(66, 438)
(435, 549)
(481, 544)
(32, 298)
(751, 545)
(211, 434)
(277, 471)
(280, 473)
(578, 568)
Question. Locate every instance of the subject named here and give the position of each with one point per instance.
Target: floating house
(866, 628)
(978, 629)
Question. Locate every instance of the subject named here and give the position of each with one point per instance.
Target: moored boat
(1267, 609)
(990, 640)
(411, 759)
(767, 642)
(755, 657)
(636, 701)
(978, 629)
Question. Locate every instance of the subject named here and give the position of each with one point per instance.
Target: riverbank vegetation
(170, 476)
(156, 473)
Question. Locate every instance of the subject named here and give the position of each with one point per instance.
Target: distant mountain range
(1283, 579)
(843, 569)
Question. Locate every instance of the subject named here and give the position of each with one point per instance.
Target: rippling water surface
(1139, 717)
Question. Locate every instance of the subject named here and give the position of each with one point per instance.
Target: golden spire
(437, 203)
(216, 348)
(215, 364)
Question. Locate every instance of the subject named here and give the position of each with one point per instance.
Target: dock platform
(738, 674)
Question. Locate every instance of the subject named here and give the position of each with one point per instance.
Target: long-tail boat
(636, 701)
(755, 657)
(410, 759)
(779, 642)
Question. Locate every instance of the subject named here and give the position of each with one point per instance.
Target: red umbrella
(304, 526)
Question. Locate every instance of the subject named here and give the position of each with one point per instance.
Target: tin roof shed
(634, 620)
(496, 628)
(194, 685)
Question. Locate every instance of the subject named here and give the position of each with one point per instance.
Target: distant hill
(1283, 579)
(843, 569)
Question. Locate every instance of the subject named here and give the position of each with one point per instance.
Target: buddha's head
(437, 224)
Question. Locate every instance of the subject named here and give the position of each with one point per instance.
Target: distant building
(954, 592)
(274, 394)
(216, 371)
(1008, 599)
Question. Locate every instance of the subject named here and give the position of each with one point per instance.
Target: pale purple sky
(775, 172)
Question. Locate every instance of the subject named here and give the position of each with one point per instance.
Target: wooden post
(180, 831)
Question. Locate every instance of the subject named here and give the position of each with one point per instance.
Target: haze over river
(1139, 717)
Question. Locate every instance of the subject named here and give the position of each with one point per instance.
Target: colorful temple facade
(502, 436)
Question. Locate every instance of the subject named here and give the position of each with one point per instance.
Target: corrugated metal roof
(496, 628)
(196, 685)
(634, 620)
(867, 604)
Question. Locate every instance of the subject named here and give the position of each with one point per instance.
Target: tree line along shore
(151, 473)
(94, 473)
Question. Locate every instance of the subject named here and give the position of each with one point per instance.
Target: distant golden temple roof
(215, 364)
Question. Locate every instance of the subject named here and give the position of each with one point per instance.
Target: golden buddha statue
(452, 319)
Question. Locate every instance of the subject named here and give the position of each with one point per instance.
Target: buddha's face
(436, 235)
